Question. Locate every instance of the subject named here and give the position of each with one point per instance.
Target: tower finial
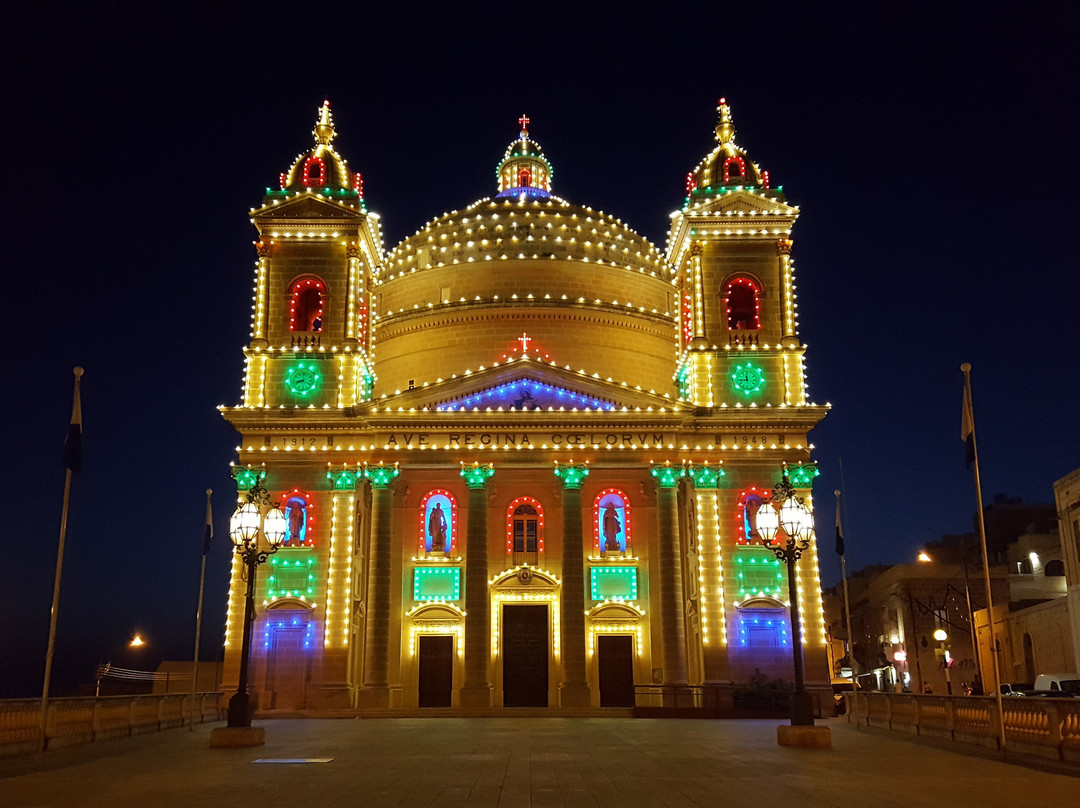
(524, 121)
(725, 129)
(324, 126)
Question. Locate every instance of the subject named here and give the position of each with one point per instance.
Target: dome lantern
(524, 171)
(322, 169)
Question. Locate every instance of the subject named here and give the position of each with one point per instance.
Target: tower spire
(324, 126)
(725, 128)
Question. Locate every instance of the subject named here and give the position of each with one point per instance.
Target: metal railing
(85, 719)
(1048, 728)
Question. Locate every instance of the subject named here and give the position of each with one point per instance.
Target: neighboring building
(1067, 500)
(522, 453)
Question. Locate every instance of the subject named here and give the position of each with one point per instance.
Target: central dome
(590, 293)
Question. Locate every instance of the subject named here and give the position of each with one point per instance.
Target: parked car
(1016, 688)
(1058, 683)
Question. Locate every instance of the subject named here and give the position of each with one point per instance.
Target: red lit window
(524, 178)
(750, 502)
(734, 167)
(524, 527)
(742, 305)
(306, 305)
(314, 172)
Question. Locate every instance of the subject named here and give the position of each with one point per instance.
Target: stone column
(476, 690)
(376, 686)
(330, 688)
(574, 688)
(672, 610)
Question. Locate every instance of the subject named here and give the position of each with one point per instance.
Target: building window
(734, 168)
(306, 305)
(742, 305)
(1055, 568)
(438, 522)
(611, 522)
(525, 530)
(314, 172)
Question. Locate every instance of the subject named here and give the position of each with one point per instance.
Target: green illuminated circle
(302, 379)
(748, 378)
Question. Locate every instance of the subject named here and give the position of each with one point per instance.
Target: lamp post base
(231, 737)
(802, 709)
(241, 711)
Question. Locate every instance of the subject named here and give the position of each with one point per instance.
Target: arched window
(1054, 568)
(438, 522)
(524, 178)
(611, 522)
(524, 529)
(741, 303)
(734, 167)
(314, 172)
(298, 519)
(306, 305)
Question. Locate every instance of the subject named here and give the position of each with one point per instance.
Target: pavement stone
(536, 762)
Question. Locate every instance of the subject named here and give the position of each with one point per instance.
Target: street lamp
(941, 635)
(785, 515)
(103, 669)
(257, 530)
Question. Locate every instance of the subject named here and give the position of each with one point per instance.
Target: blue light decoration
(764, 628)
(526, 394)
(297, 519)
(295, 622)
(438, 512)
(610, 526)
(530, 193)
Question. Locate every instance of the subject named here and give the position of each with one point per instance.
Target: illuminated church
(520, 453)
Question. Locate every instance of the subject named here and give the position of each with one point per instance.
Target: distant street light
(785, 515)
(941, 635)
(103, 669)
(257, 530)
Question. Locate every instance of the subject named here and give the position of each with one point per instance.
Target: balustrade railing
(1048, 728)
(86, 719)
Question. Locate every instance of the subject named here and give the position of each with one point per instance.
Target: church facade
(521, 453)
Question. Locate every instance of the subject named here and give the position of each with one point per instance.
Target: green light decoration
(246, 477)
(759, 573)
(705, 476)
(292, 575)
(303, 379)
(666, 475)
(367, 386)
(613, 583)
(747, 378)
(683, 380)
(380, 476)
(436, 583)
(342, 478)
(477, 475)
(572, 475)
(802, 474)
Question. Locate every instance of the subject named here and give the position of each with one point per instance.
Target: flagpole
(968, 427)
(847, 600)
(208, 534)
(73, 461)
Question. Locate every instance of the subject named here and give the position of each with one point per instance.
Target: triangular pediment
(748, 202)
(525, 386)
(306, 207)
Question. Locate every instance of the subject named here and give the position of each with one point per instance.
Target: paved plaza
(517, 762)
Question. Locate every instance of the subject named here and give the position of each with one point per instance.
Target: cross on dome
(524, 121)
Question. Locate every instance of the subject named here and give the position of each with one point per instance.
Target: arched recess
(314, 174)
(611, 522)
(525, 584)
(1055, 568)
(750, 501)
(611, 617)
(437, 618)
(525, 530)
(289, 640)
(299, 518)
(763, 626)
(742, 303)
(438, 522)
(732, 170)
(307, 304)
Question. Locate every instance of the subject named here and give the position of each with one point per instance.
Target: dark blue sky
(932, 152)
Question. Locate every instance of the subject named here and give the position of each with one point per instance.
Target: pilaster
(672, 613)
(476, 691)
(574, 688)
(376, 686)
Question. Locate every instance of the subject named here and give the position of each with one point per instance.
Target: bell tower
(730, 245)
(318, 250)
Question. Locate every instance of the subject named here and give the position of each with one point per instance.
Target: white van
(1058, 683)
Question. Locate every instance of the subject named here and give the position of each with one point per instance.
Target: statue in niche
(296, 521)
(612, 528)
(437, 529)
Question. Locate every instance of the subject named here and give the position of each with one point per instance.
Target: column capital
(247, 477)
(264, 249)
(571, 474)
(783, 246)
(477, 475)
(342, 478)
(382, 475)
(667, 475)
(801, 474)
(705, 476)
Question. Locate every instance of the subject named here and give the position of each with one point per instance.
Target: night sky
(933, 155)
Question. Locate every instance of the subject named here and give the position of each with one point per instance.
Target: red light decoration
(358, 184)
(525, 178)
(363, 311)
(596, 516)
(523, 350)
(308, 525)
(510, 523)
(306, 305)
(757, 497)
(422, 546)
(284, 178)
(689, 182)
(742, 305)
(729, 162)
(524, 121)
(307, 179)
(687, 319)
(765, 179)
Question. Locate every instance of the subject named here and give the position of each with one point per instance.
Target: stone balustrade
(1048, 728)
(86, 719)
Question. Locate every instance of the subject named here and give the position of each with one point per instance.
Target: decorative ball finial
(324, 126)
(725, 129)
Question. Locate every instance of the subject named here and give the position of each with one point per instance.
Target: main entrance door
(436, 670)
(616, 655)
(287, 669)
(525, 656)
